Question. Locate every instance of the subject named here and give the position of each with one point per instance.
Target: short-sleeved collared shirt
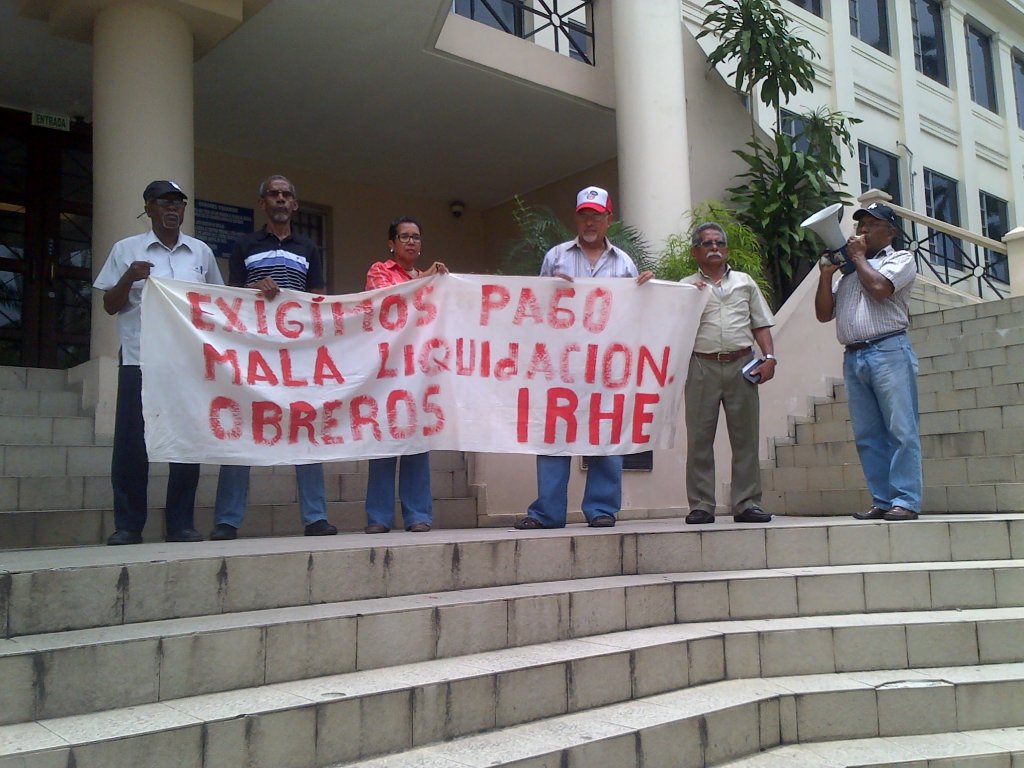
(383, 274)
(569, 259)
(189, 259)
(735, 308)
(292, 263)
(860, 317)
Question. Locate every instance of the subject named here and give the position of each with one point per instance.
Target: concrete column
(650, 116)
(1015, 256)
(142, 127)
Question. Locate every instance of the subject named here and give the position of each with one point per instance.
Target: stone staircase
(55, 477)
(807, 641)
(971, 388)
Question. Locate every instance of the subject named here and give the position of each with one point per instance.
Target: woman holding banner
(404, 243)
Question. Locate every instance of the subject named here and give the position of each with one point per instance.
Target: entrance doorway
(45, 243)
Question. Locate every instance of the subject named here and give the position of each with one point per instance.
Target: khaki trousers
(711, 385)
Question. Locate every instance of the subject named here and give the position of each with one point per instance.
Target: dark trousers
(129, 469)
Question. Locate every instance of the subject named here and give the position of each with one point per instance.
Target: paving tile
(848, 714)
(538, 619)
(756, 598)
(825, 594)
(540, 559)
(454, 708)
(471, 628)
(650, 605)
(866, 647)
(797, 652)
(963, 589)
(796, 547)
(732, 549)
(597, 611)
(673, 552)
(411, 570)
(916, 707)
(657, 669)
(529, 694)
(941, 644)
(300, 650)
(600, 680)
(989, 705)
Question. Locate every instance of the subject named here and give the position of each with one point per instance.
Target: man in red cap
(588, 255)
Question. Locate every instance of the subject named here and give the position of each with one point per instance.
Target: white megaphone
(825, 224)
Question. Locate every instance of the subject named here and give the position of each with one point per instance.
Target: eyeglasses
(405, 237)
(170, 202)
(591, 217)
(287, 194)
(713, 244)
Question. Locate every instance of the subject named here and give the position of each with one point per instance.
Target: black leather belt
(871, 342)
(723, 357)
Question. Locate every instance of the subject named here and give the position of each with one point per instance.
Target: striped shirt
(859, 317)
(292, 263)
(569, 259)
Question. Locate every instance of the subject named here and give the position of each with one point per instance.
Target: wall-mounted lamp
(456, 207)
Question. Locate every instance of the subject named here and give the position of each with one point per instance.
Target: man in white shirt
(162, 252)
(871, 309)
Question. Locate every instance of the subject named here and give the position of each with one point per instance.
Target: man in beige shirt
(736, 316)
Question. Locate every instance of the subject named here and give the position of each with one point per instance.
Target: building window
(879, 170)
(1018, 87)
(929, 40)
(869, 22)
(943, 203)
(792, 125)
(813, 6)
(995, 223)
(500, 14)
(980, 71)
(563, 26)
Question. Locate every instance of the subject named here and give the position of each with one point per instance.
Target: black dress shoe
(528, 524)
(602, 521)
(699, 517)
(752, 515)
(875, 513)
(223, 532)
(320, 528)
(124, 537)
(189, 535)
(900, 513)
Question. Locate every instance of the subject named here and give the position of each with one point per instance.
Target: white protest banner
(452, 362)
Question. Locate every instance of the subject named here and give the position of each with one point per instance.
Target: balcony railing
(956, 257)
(564, 26)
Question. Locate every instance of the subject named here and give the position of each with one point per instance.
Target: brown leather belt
(723, 357)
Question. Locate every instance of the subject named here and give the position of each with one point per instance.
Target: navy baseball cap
(877, 210)
(162, 189)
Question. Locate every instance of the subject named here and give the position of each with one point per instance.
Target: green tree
(744, 246)
(783, 184)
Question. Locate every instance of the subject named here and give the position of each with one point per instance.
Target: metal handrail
(942, 253)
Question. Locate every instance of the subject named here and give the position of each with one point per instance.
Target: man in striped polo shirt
(268, 260)
(871, 309)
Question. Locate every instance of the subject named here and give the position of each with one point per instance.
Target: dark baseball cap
(162, 189)
(877, 210)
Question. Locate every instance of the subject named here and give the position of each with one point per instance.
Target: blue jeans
(881, 385)
(233, 494)
(602, 495)
(129, 466)
(413, 490)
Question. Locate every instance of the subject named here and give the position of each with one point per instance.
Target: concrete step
(986, 748)
(153, 661)
(979, 498)
(976, 443)
(45, 591)
(39, 402)
(359, 715)
(719, 722)
(39, 379)
(86, 527)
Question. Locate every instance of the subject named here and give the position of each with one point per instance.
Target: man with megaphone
(870, 304)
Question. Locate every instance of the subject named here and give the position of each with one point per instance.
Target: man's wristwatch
(772, 357)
